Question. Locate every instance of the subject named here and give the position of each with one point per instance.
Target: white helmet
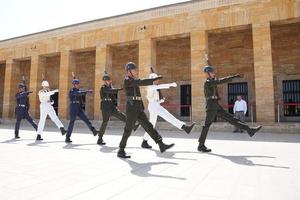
(153, 75)
(45, 84)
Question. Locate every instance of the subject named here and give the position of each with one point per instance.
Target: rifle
(207, 60)
(159, 91)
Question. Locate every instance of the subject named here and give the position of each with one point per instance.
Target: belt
(134, 98)
(212, 97)
(21, 105)
(75, 101)
(106, 99)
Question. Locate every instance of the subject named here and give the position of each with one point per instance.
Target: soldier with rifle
(213, 107)
(155, 98)
(22, 107)
(76, 102)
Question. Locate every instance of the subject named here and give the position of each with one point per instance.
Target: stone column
(263, 71)
(147, 59)
(10, 89)
(102, 60)
(199, 47)
(36, 70)
(67, 66)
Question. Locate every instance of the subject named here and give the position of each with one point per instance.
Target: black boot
(39, 137)
(163, 147)
(68, 140)
(203, 148)
(189, 128)
(95, 132)
(122, 154)
(63, 130)
(253, 130)
(146, 145)
(100, 141)
(135, 127)
(17, 136)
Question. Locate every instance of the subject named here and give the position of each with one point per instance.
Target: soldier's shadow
(245, 160)
(15, 141)
(75, 146)
(107, 149)
(169, 154)
(42, 143)
(143, 169)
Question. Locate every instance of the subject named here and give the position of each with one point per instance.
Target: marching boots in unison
(22, 108)
(155, 109)
(75, 96)
(213, 108)
(108, 106)
(46, 109)
(135, 109)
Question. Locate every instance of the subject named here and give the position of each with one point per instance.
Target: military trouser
(133, 115)
(22, 113)
(105, 118)
(211, 113)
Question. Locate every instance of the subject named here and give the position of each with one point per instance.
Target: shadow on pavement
(143, 169)
(75, 146)
(245, 160)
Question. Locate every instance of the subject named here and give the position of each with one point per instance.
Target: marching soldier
(108, 106)
(213, 108)
(135, 109)
(155, 109)
(22, 108)
(75, 96)
(46, 108)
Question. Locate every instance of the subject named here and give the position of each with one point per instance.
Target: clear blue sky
(20, 17)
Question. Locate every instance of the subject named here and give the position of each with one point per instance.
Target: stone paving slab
(264, 167)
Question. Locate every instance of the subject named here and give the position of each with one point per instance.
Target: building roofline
(100, 19)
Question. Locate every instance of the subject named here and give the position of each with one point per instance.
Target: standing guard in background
(109, 106)
(155, 109)
(135, 109)
(22, 107)
(46, 108)
(76, 101)
(213, 108)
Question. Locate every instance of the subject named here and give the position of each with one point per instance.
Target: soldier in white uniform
(46, 108)
(155, 109)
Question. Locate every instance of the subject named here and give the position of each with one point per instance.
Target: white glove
(173, 84)
(55, 90)
(162, 100)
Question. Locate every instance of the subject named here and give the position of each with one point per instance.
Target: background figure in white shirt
(46, 108)
(155, 109)
(240, 110)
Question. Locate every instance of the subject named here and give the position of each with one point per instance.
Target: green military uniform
(213, 109)
(135, 111)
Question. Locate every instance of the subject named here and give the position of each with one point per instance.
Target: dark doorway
(291, 98)
(185, 100)
(54, 98)
(234, 90)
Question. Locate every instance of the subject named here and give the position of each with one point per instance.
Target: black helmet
(130, 66)
(105, 77)
(208, 69)
(21, 85)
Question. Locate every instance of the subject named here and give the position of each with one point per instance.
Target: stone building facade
(257, 38)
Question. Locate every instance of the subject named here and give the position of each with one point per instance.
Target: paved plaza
(239, 167)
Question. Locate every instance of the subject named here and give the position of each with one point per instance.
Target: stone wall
(2, 76)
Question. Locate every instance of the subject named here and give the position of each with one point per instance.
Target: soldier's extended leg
(17, 126)
(55, 119)
(143, 120)
(70, 127)
(30, 120)
(153, 120)
(84, 118)
(130, 121)
(210, 116)
(105, 118)
(236, 122)
(41, 124)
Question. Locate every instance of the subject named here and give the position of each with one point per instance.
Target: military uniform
(22, 110)
(76, 103)
(213, 109)
(135, 111)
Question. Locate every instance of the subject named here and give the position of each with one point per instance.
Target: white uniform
(155, 109)
(46, 108)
